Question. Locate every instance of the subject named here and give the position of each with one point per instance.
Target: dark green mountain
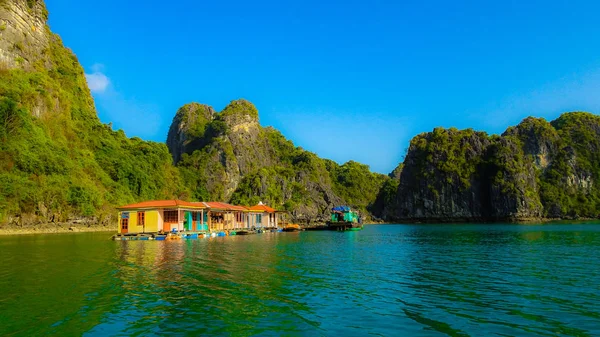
(534, 170)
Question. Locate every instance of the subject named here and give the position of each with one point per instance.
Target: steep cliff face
(534, 170)
(234, 158)
(24, 36)
(440, 177)
(57, 161)
(188, 128)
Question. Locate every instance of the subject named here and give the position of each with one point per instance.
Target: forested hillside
(59, 163)
(534, 170)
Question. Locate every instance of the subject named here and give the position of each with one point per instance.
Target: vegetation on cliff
(57, 161)
(237, 160)
(534, 170)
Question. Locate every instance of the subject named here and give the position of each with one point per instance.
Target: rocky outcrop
(23, 33)
(534, 170)
(188, 128)
(229, 156)
(57, 160)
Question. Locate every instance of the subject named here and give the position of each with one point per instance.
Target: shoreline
(54, 229)
(62, 229)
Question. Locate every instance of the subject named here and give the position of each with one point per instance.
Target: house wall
(180, 227)
(152, 221)
(229, 221)
(159, 220)
(132, 222)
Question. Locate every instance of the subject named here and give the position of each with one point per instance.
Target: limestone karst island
(355, 196)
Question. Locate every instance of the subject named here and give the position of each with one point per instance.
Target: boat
(344, 219)
(291, 228)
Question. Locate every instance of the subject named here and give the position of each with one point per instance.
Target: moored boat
(291, 228)
(344, 219)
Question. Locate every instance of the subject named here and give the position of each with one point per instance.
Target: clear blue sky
(349, 80)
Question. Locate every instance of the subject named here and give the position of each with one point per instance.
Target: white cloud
(97, 81)
(134, 117)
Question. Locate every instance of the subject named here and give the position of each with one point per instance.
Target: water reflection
(228, 284)
(417, 280)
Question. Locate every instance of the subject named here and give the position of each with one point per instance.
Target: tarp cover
(341, 209)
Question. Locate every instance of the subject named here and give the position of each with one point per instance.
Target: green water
(390, 280)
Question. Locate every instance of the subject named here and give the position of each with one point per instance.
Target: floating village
(177, 219)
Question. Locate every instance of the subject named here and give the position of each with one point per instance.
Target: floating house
(162, 215)
(262, 216)
(178, 215)
(223, 216)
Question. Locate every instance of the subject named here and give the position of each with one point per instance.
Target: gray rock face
(24, 36)
(534, 170)
(229, 156)
(429, 190)
(188, 127)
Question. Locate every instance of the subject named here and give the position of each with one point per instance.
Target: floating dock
(188, 235)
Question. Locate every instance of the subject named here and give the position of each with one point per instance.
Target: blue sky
(351, 80)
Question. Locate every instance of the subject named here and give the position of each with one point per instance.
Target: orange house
(162, 215)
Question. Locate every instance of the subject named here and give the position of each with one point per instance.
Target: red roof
(223, 206)
(163, 204)
(262, 208)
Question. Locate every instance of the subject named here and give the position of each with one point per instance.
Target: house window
(124, 224)
(171, 216)
(141, 219)
(259, 218)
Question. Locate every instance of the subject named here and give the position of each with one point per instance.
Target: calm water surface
(388, 280)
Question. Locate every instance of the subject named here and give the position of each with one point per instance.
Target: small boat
(291, 228)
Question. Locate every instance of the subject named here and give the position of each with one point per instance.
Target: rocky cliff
(533, 170)
(24, 36)
(230, 156)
